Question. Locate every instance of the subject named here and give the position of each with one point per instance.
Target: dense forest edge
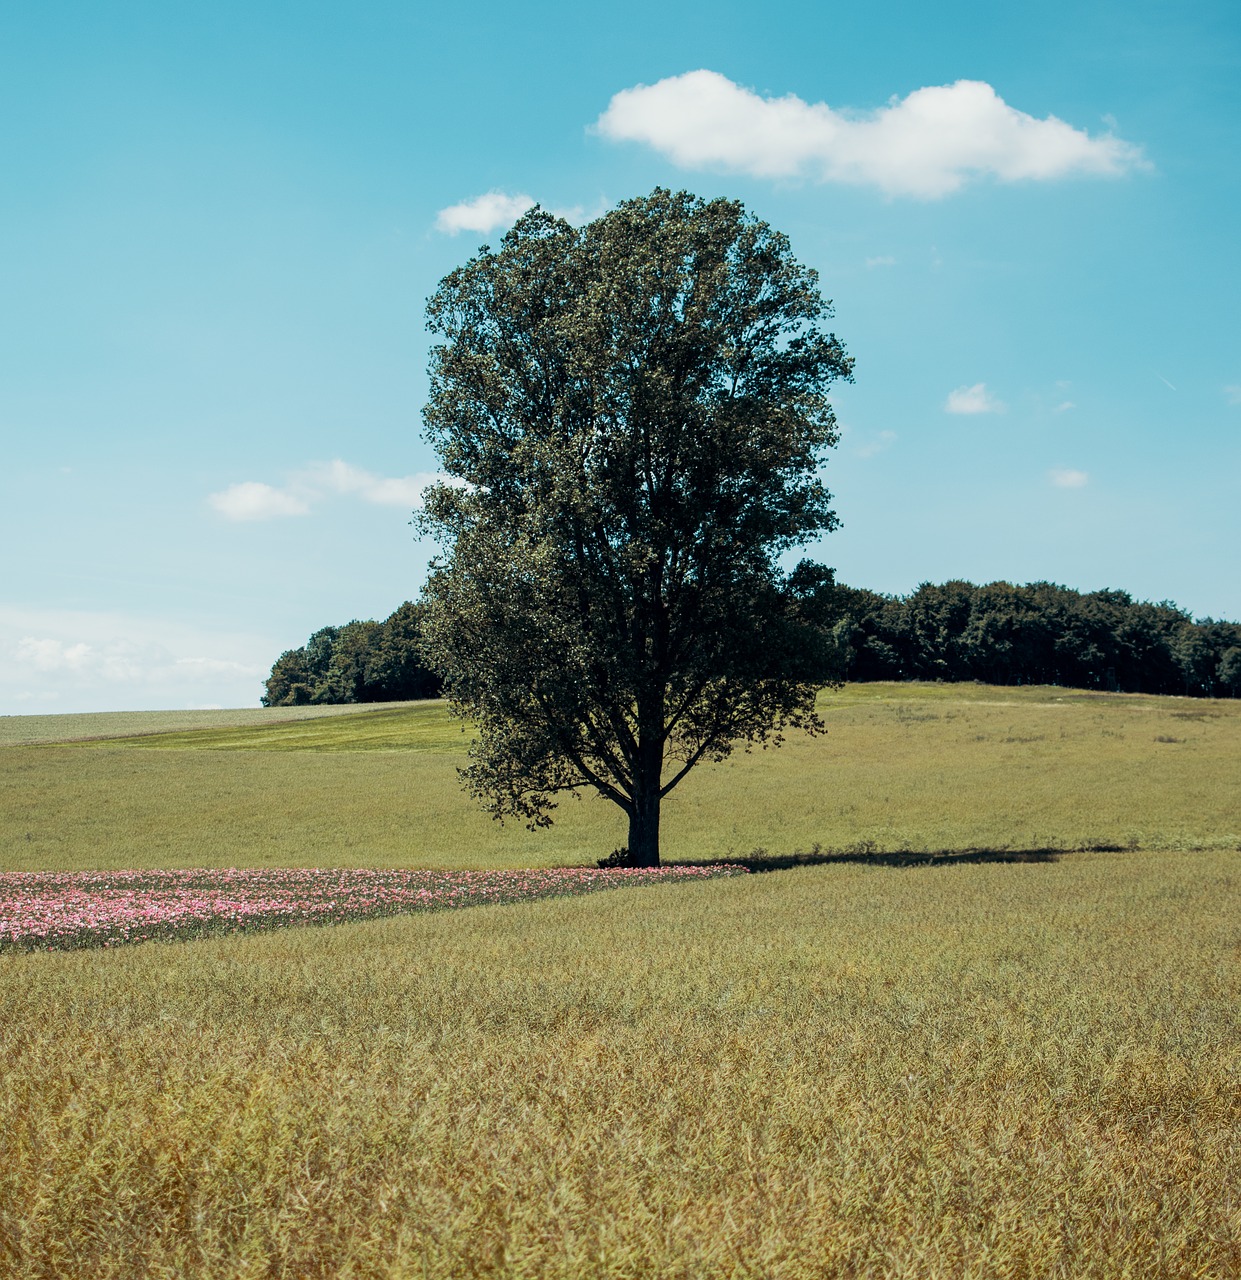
(1039, 633)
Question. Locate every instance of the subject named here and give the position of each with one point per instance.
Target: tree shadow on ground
(761, 860)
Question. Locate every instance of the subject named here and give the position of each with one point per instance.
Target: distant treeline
(1035, 634)
(359, 662)
(996, 634)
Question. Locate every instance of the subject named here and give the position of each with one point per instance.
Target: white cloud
(1233, 394)
(59, 659)
(339, 477)
(1064, 406)
(1068, 478)
(926, 145)
(483, 213)
(253, 500)
(884, 261)
(48, 654)
(975, 399)
(495, 209)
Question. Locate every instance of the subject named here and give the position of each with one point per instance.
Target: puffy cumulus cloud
(925, 145)
(483, 213)
(975, 399)
(62, 660)
(253, 500)
(1068, 478)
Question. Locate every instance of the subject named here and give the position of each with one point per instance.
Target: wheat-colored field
(967, 1069)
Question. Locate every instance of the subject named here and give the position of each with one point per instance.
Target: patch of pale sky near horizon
(77, 660)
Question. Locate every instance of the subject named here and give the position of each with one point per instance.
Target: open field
(923, 767)
(1017, 1070)
(857, 1068)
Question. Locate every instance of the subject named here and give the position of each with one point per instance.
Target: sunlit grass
(87, 725)
(923, 767)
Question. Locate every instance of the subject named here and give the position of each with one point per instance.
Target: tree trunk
(644, 828)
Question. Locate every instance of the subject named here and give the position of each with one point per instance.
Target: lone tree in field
(635, 412)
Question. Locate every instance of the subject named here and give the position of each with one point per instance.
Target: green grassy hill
(902, 767)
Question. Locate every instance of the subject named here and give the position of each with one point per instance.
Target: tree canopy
(1038, 633)
(359, 662)
(634, 414)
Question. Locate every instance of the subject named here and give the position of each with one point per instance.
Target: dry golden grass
(1025, 1070)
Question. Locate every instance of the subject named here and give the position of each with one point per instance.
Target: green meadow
(895, 1061)
(902, 767)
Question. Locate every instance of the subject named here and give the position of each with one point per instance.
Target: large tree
(635, 415)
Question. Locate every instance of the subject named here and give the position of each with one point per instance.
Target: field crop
(981, 1070)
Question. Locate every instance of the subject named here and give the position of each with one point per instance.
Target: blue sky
(219, 225)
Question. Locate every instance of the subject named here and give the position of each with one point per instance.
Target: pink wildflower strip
(49, 911)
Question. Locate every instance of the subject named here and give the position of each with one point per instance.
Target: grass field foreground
(1016, 1070)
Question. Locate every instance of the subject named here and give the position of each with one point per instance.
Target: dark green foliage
(359, 662)
(1034, 634)
(635, 413)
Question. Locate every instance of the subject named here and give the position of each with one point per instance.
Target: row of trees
(1040, 633)
(997, 634)
(359, 662)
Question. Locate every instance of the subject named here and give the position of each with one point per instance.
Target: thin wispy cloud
(1064, 406)
(1233, 394)
(878, 443)
(926, 145)
(1068, 478)
(254, 500)
(1165, 382)
(884, 261)
(975, 399)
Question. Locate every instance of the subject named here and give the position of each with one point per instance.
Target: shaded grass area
(903, 770)
(1023, 1070)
